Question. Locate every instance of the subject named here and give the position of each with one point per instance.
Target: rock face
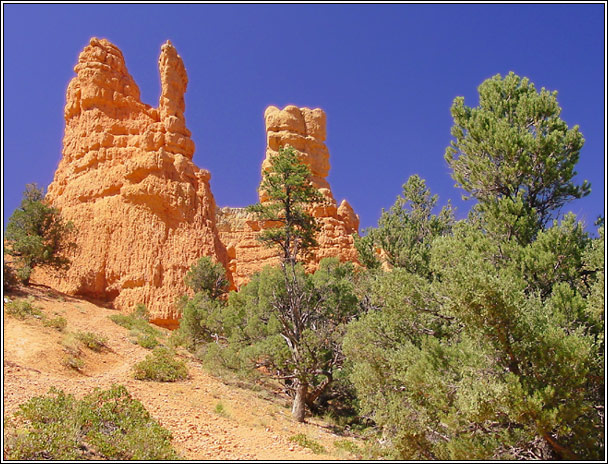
(305, 130)
(144, 212)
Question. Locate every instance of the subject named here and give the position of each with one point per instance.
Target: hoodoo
(144, 212)
(305, 130)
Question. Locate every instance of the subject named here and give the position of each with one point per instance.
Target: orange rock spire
(305, 130)
(144, 212)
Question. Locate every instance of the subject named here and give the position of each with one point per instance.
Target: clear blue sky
(385, 74)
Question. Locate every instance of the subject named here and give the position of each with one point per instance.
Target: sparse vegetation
(73, 362)
(59, 323)
(147, 341)
(161, 366)
(305, 442)
(103, 425)
(348, 446)
(142, 332)
(22, 309)
(220, 409)
(92, 341)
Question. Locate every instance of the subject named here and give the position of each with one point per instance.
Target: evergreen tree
(36, 235)
(515, 155)
(405, 232)
(290, 194)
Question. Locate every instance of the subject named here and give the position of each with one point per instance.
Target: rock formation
(305, 130)
(144, 212)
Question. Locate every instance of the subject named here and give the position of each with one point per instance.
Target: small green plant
(73, 362)
(22, 309)
(71, 345)
(220, 409)
(147, 341)
(58, 323)
(141, 312)
(177, 338)
(305, 442)
(104, 425)
(161, 366)
(92, 341)
(347, 446)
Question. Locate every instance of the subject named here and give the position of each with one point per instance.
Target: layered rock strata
(305, 130)
(143, 210)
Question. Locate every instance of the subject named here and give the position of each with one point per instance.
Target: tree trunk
(299, 402)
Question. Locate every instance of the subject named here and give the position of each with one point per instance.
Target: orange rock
(305, 130)
(144, 212)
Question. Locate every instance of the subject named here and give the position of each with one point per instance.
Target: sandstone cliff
(144, 212)
(305, 130)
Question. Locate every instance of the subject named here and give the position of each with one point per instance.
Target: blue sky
(386, 75)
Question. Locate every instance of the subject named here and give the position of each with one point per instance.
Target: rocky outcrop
(144, 212)
(305, 130)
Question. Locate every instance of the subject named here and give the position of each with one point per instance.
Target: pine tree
(290, 194)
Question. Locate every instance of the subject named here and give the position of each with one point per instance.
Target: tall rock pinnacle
(144, 212)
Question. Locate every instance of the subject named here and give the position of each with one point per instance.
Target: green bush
(59, 323)
(177, 338)
(161, 366)
(347, 446)
(92, 341)
(22, 309)
(104, 425)
(36, 235)
(147, 341)
(305, 442)
(136, 321)
(207, 277)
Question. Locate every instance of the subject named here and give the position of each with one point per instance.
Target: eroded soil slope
(254, 425)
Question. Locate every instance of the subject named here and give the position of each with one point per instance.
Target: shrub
(108, 425)
(36, 235)
(207, 277)
(177, 338)
(9, 278)
(305, 442)
(161, 366)
(73, 362)
(92, 341)
(147, 341)
(59, 323)
(347, 446)
(22, 309)
(136, 322)
(141, 312)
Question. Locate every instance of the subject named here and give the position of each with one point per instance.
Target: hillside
(253, 425)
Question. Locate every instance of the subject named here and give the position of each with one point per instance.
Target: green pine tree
(37, 235)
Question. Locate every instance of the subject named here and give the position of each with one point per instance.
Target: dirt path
(251, 426)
